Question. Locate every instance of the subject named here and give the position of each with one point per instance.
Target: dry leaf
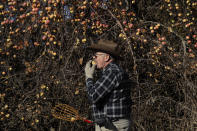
(72, 119)
(77, 92)
(170, 29)
(81, 61)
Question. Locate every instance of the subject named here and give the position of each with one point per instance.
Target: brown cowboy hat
(106, 46)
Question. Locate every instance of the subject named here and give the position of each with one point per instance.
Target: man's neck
(107, 63)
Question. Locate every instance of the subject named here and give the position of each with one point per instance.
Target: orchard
(43, 54)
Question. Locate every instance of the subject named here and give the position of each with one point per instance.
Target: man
(110, 94)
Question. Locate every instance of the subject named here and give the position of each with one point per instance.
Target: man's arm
(103, 86)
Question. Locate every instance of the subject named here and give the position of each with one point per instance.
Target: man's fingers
(88, 63)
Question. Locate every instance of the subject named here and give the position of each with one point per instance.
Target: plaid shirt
(110, 94)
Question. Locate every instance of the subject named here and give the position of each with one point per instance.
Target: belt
(117, 119)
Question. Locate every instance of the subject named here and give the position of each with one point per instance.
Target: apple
(189, 41)
(163, 42)
(130, 25)
(47, 22)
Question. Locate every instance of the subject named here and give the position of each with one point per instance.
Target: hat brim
(100, 49)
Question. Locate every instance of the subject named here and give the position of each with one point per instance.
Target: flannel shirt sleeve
(102, 86)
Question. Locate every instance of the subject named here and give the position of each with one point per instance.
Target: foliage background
(43, 53)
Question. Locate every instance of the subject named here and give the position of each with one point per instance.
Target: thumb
(89, 62)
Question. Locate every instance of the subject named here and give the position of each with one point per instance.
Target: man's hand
(89, 71)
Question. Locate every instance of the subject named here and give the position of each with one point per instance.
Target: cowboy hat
(106, 46)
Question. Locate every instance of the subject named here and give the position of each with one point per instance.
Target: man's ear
(107, 58)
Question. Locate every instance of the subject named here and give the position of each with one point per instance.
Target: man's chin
(98, 67)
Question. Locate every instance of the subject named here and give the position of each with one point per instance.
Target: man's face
(100, 59)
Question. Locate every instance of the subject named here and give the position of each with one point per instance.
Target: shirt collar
(108, 66)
